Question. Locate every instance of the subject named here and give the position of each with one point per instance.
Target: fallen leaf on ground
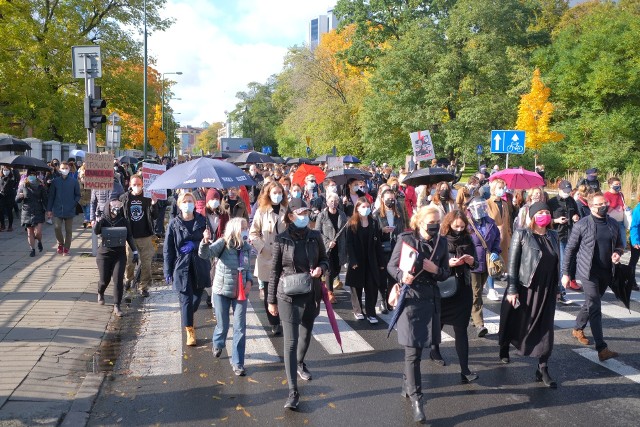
(221, 382)
(332, 405)
(161, 410)
(217, 397)
(186, 357)
(204, 375)
(284, 382)
(251, 380)
(224, 419)
(279, 418)
(119, 420)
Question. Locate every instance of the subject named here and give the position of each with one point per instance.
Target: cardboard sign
(408, 256)
(335, 163)
(150, 171)
(98, 171)
(422, 145)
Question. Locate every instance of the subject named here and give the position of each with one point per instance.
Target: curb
(80, 410)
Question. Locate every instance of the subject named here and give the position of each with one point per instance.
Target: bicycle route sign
(507, 141)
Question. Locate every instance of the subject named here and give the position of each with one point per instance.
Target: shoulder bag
(114, 237)
(298, 283)
(494, 268)
(448, 287)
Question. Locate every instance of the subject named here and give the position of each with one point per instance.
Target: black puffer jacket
(581, 245)
(282, 263)
(524, 257)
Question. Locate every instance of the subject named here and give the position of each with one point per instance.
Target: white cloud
(221, 46)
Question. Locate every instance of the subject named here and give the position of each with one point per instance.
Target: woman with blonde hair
(232, 272)
(268, 222)
(183, 268)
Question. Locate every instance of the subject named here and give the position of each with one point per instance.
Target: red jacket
(410, 200)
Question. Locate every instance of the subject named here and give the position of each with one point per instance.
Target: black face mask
(444, 194)
(433, 229)
(115, 211)
(360, 193)
(394, 188)
(390, 203)
(455, 233)
(602, 210)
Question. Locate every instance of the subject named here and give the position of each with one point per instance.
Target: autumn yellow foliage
(157, 138)
(535, 112)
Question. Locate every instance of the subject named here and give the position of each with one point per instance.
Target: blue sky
(220, 46)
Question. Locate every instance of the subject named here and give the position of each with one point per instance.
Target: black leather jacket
(524, 258)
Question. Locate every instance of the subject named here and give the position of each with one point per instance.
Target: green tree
(208, 139)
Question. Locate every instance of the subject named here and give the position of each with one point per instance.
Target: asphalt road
(362, 388)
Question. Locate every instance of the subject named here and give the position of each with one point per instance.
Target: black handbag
(114, 237)
(449, 287)
(298, 283)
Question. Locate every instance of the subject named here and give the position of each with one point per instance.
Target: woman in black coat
(527, 312)
(189, 273)
(456, 310)
(331, 223)
(33, 195)
(7, 197)
(112, 257)
(297, 250)
(391, 223)
(364, 250)
(419, 320)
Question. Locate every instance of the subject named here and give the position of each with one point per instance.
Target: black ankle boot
(418, 411)
(436, 356)
(542, 374)
(504, 353)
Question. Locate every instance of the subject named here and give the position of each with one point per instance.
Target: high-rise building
(188, 136)
(319, 26)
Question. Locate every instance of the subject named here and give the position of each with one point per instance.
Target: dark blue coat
(64, 194)
(186, 269)
(491, 237)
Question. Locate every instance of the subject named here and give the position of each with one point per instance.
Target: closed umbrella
(304, 170)
(398, 310)
(9, 143)
(331, 315)
(202, 173)
(519, 178)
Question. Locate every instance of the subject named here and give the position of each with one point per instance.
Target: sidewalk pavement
(50, 329)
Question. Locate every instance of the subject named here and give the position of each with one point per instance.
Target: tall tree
(157, 138)
(208, 139)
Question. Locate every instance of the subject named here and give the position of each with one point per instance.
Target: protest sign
(335, 163)
(150, 171)
(422, 145)
(98, 171)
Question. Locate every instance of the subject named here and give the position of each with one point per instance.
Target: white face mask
(364, 211)
(64, 172)
(6, 172)
(332, 189)
(187, 208)
(136, 189)
(214, 204)
(244, 234)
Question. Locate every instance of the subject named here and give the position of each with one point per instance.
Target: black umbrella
(428, 176)
(10, 143)
(278, 160)
(350, 159)
(220, 155)
(322, 159)
(128, 159)
(342, 176)
(252, 157)
(24, 162)
(622, 284)
(299, 161)
(398, 309)
(202, 173)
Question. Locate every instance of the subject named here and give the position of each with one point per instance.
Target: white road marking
(259, 348)
(491, 320)
(614, 365)
(352, 342)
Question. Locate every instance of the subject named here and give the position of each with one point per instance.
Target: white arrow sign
(515, 138)
(497, 139)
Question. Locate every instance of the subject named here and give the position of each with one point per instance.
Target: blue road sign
(308, 150)
(479, 150)
(266, 150)
(507, 141)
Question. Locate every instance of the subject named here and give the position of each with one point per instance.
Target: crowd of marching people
(292, 238)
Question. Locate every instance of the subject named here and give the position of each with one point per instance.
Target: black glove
(136, 258)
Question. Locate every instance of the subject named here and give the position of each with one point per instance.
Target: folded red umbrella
(331, 315)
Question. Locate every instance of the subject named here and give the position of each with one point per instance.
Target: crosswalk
(357, 336)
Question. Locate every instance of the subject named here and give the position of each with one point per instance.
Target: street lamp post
(144, 89)
(164, 74)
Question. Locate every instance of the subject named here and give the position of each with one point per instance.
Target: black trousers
(633, 261)
(189, 303)
(334, 267)
(6, 209)
(386, 280)
(297, 324)
(273, 320)
(111, 265)
(412, 375)
(591, 311)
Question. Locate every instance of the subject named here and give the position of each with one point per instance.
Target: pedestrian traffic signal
(93, 117)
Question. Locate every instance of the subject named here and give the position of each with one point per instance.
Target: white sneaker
(493, 295)
(372, 320)
(359, 316)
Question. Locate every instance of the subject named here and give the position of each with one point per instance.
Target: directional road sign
(479, 150)
(507, 141)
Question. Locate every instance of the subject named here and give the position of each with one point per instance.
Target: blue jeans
(489, 282)
(563, 245)
(623, 234)
(86, 209)
(223, 305)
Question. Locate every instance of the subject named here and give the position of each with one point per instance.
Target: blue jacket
(64, 195)
(186, 269)
(491, 236)
(634, 232)
(225, 281)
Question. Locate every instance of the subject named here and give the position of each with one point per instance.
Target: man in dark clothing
(233, 205)
(595, 245)
(564, 212)
(254, 191)
(141, 212)
(591, 180)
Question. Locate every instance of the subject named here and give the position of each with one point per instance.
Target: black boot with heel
(542, 375)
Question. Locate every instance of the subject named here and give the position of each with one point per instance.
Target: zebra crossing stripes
(614, 365)
(352, 341)
(259, 348)
(387, 319)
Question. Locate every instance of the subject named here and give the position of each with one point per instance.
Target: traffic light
(93, 117)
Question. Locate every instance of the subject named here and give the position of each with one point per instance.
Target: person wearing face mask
(217, 217)
(443, 199)
(591, 180)
(234, 205)
(33, 195)
(595, 245)
(141, 212)
(456, 310)
(564, 212)
(254, 191)
(486, 237)
(313, 198)
(64, 194)
(527, 312)
(285, 181)
(355, 190)
(295, 192)
(534, 195)
(365, 260)
(418, 323)
(617, 206)
(85, 198)
(501, 212)
(232, 252)
(7, 198)
(297, 249)
(183, 268)
(466, 193)
(582, 192)
(268, 222)
(331, 224)
(111, 257)
(391, 223)
(99, 203)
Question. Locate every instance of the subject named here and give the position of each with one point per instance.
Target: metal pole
(162, 114)
(507, 166)
(144, 91)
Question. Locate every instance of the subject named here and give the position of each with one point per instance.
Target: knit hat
(537, 207)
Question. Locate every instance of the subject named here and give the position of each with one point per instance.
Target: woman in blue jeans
(231, 272)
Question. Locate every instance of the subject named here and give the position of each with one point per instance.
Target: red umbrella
(518, 178)
(304, 170)
(331, 315)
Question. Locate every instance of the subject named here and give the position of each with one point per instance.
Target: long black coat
(456, 310)
(370, 255)
(34, 200)
(419, 323)
(186, 269)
